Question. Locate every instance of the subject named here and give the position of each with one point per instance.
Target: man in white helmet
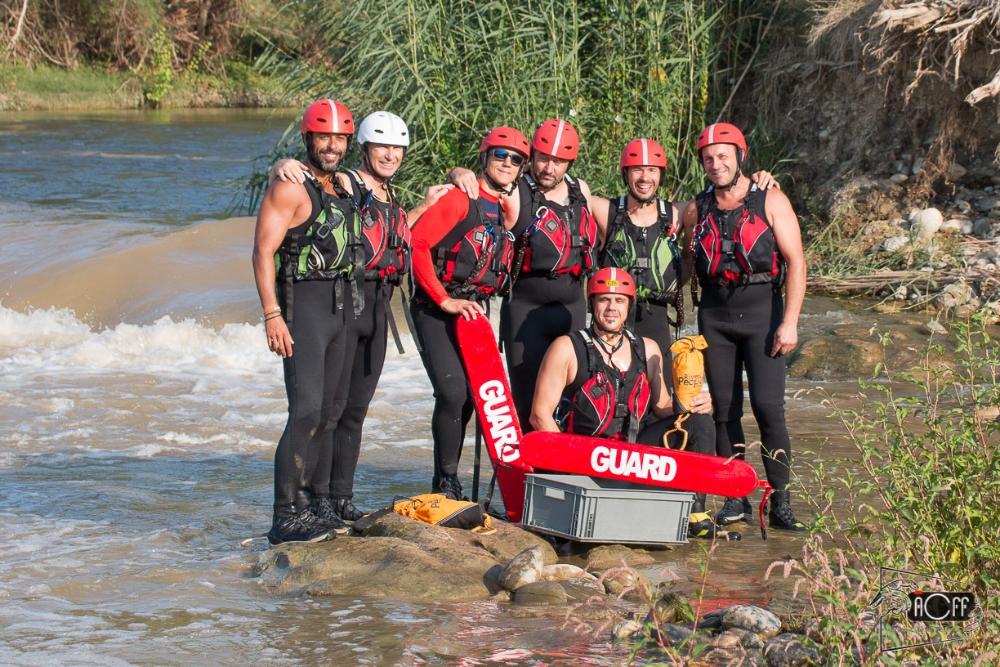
(382, 139)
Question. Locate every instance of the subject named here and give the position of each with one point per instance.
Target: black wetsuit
(739, 324)
(541, 307)
(365, 342)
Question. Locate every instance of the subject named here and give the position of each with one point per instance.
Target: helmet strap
(642, 200)
(504, 190)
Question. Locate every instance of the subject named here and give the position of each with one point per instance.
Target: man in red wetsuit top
(462, 255)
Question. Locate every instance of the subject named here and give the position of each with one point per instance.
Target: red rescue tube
(495, 408)
(652, 466)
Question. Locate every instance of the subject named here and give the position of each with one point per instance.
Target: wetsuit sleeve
(432, 227)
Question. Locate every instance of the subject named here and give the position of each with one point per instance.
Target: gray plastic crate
(589, 509)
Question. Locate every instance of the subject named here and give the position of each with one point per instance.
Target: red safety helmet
(504, 137)
(722, 133)
(556, 138)
(610, 280)
(329, 117)
(643, 153)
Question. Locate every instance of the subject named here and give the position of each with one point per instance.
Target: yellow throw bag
(439, 510)
(689, 369)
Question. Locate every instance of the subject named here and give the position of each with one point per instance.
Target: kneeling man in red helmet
(605, 381)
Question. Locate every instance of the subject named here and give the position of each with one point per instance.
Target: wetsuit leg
(766, 378)
(453, 405)
(700, 430)
(364, 358)
(651, 322)
(311, 375)
(539, 310)
(723, 369)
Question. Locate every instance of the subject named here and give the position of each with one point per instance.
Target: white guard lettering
(500, 420)
(640, 465)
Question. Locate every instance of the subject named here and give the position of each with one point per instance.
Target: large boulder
(607, 556)
(752, 619)
(396, 558)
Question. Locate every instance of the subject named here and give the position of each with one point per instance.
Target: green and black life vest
(327, 246)
(649, 254)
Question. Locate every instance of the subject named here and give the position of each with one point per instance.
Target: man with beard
(307, 252)
(745, 243)
(605, 381)
(382, 138)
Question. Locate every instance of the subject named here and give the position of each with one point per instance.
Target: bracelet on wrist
(273, 314)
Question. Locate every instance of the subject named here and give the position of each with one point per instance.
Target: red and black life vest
(735, 247)
(602, 400)
(555, 239)
(384, 232)
(648, 254)
(474, 259)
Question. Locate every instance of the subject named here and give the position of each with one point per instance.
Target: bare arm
(599, 207)
(659, 396)
(788, 236)
(465, 180)
(284, 205)
(289, 170)
(557, 371)
(687, 238)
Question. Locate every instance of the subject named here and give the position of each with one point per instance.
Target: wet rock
(673, 608)
(627, 628)
(608, 556)
(955, 172)
(955, 294)
(835, 358)
(983, 228)
(399, 559)
(927, 223)
(751, 618)
(634, 585)
(789, 650)
(565, 572)
(581, 590)
(895, 243)
(540, 593)
(985, 204)
(737, 637)
(727, 657)
(510, 540)
(936, 327)
(957, 226)
(525, 568)
(962, 206)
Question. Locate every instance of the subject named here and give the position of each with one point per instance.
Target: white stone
(895, 243)
(751, 618)
(927, 222)
(957, 226)
(899, 179)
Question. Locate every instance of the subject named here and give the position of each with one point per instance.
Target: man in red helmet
(462, 253)
(605, 381)
(557, 244)
(744, 244)
(307, 252)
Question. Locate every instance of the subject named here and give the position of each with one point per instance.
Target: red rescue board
(652, 466)
(495, 409)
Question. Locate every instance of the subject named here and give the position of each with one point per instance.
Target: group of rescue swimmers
(331, 246)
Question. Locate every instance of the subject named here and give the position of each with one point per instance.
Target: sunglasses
(502, 154)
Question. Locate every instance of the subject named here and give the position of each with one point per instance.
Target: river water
(139, 409)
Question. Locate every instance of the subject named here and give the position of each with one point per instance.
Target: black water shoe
(780, 515)
(733, 510)
(298, 526)
(346, 510)
(325, 510)
(450, 487)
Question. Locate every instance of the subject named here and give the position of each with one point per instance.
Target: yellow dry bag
(689, 369)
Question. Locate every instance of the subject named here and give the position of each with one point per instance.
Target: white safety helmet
(382, 127)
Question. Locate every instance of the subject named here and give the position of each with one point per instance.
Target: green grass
(47, 88)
